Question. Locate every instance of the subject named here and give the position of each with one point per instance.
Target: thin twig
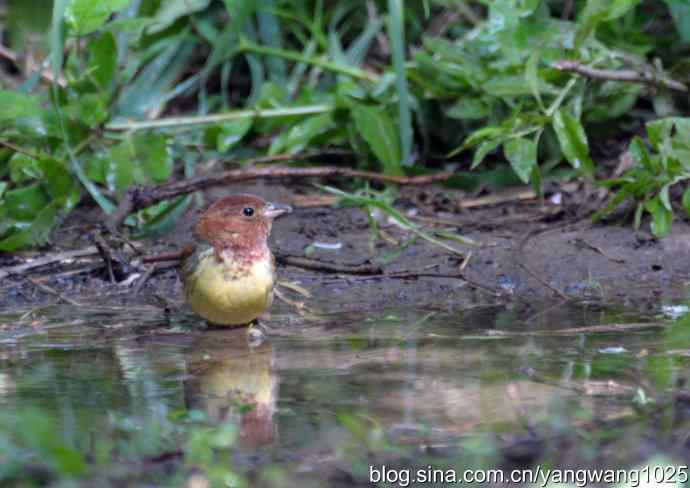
(47, 260)
(630, 76)
(49, 290)
(544, 282)
(583, 243)
(106, 254)
(362, 271)
(591, 329)
(316, 265)
(138, 198)
(411, 275)
(299, 262)
(509, 196)
(144, 278)
(166, 256)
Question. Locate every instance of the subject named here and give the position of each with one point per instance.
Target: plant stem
(626, 75)
(246, 46)
(218, 118)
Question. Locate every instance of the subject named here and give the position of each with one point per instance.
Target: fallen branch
(138, 197)
(47, 260)
(413, 275)
(628, 75)
(49, 290)
(316, 265)
(543, 281)
(574, 331)
(306, 263)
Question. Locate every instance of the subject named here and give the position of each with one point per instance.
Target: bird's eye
(248, 211)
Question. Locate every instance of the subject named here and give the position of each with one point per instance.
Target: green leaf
(301, 134)
(664, 198)
(24, 114)
(507, 86)
(685, 200)
(396, 33)
(161, 217)
(15, 105)
(3, 187)
(483, 150)
(637, 221)
(122, 170)
(639, 152)
(573, 141)
(680, 11)
(522, 154)
(89, 109)
(87, 16)
(662, 129)
(468, 108)
(154, 153)
(103, 60)
(36, 234)
(171, 10)
(23, 167)
(618, 8)
(662, 218)
(271, 34)
(138, 159)
(532, 77)
(483, 134)
(536, 180)
(377, 128)
(24, 203)
(595, 11)
(230, 133)
(59, 180)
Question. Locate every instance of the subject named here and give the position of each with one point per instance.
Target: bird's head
(239, 223)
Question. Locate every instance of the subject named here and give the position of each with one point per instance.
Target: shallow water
(330, 397)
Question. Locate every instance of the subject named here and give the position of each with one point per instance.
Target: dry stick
(306, 263)
(48, 289)
(106, 254)
(316, 265)
(630, 76)
(407, 275)
(166, 256)
(144, 278)
(138, 198)
(47, 260)
(366, 271)
(591, 329)
(543, 282)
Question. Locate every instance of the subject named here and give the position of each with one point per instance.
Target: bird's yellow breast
(224, 294)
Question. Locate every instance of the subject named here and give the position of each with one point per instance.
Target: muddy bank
(524, 250)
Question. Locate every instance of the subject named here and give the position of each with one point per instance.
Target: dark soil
(525, 250)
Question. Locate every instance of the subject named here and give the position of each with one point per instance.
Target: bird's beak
(274, 210)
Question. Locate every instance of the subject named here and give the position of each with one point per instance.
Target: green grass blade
(57, 36)
(271, 34)
(396, 33)
(393, 213)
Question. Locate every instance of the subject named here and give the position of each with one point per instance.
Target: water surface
(321, 400)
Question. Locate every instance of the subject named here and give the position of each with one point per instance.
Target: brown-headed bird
(229, 273)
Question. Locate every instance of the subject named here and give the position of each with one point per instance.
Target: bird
(228, 273)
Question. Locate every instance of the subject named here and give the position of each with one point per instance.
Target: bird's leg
(255, 334)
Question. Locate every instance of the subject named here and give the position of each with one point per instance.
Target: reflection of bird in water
(230, 380)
